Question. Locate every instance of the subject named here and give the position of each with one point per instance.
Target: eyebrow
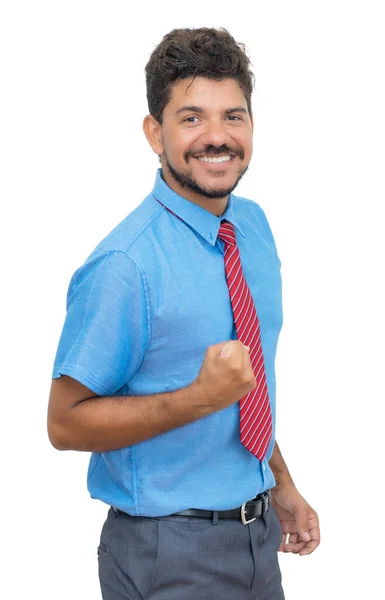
(199, 109)
(235, 109)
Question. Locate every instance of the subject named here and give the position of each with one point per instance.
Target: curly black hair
(205, 52)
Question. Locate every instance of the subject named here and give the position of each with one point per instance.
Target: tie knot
(227, 234)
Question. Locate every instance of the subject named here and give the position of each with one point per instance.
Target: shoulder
(116, 249)
(130, 229)
(113, 258)
(247, 209)
(253, 217)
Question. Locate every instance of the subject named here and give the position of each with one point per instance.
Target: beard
(186, 179)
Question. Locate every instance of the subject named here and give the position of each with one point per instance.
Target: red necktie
(255, 415)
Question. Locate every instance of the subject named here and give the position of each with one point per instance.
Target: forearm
(100, 424)
(279, 468)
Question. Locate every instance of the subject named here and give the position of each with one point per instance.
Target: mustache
(211, 150)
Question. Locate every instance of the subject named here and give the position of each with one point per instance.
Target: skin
(203, 118)
(299, 521)
(216, 123)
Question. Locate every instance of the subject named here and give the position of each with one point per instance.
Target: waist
(248, 512)
(162, 476)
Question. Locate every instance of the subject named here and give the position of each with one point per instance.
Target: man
(165, 366)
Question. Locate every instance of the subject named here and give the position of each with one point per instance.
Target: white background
(74, 162)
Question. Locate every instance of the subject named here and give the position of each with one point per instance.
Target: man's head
(199, 88)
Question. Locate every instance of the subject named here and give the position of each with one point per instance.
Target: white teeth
(216, 159)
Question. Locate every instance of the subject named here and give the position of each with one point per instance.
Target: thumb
(225, 351)
(302, 526)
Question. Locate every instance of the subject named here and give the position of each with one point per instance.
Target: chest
(189, 297)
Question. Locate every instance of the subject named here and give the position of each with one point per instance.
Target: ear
(252, 122)
(153, 133)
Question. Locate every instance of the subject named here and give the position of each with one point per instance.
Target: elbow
(65, 438)
(58, 437)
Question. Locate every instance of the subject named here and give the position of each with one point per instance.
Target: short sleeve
(105, 333)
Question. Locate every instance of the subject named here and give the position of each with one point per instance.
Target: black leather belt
(248, 512)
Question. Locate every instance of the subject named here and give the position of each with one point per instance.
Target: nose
(215, 133)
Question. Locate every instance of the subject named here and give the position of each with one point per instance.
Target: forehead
(206, 93)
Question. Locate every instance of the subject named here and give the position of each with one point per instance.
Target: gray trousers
(183, 558)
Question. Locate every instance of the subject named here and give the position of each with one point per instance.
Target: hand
(297, 519)
(226, 375)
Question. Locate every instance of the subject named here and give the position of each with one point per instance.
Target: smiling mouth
(215, 159)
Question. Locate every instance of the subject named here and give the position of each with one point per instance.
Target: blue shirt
(141, 312)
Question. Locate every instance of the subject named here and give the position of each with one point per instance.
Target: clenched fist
(225, 376)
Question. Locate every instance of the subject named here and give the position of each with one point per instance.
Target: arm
(279, 468)
(102, 346)
(103, 343)
(79, 420)
(297, 517)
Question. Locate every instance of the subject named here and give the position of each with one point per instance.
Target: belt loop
(215, 517)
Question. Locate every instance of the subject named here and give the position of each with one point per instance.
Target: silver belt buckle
(243, 515)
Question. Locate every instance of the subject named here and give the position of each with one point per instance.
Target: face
(205, 139)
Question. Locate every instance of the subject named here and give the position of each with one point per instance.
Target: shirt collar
(200, 219)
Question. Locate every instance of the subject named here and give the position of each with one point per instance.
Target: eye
(190, 120)
(234, 118)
